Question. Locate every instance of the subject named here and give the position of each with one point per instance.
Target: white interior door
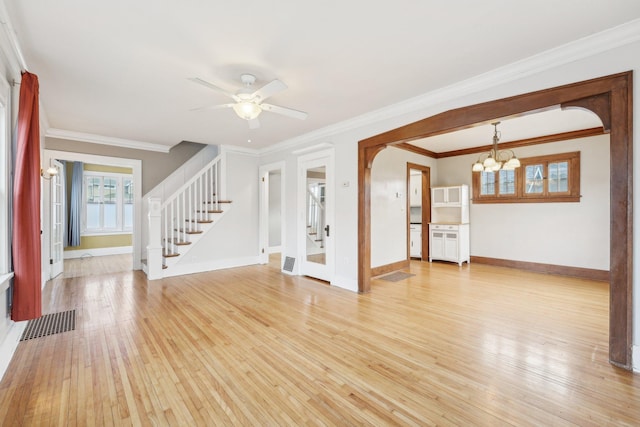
(316, 215)
(57, 221)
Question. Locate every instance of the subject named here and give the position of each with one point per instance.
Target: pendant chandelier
(496, 160)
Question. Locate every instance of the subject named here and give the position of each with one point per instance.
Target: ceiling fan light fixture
(247, 110)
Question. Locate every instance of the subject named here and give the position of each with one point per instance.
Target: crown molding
(105, 140)
(570, 52)
(225, 148)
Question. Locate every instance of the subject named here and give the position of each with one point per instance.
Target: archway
(610, 97)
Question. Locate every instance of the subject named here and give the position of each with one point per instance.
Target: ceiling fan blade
(290, 112)
(212, 107)
(214, 87)
(268, 90)
(254, 123)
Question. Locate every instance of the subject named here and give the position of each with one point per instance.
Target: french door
(57, 221)
(316, 212)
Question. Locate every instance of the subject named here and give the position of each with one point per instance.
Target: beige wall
(106, 241)
(155, 166)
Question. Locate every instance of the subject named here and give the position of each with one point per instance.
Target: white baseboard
(274, 249)
(98, 252)
(201, 267)
(635, 358)
(9, 345)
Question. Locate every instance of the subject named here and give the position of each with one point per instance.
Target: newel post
(154, 249)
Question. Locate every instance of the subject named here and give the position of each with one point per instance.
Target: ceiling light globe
(247, 110)
(477, 167)
(513, 163)
(489, 162)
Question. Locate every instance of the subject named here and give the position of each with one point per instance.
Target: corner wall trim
(9, 345)
(560, 270)
(388, 268)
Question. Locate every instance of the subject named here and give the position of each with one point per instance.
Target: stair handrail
(193, 179)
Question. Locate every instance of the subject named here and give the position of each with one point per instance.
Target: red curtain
(27, 297)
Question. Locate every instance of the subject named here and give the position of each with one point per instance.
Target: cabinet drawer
(445, 227)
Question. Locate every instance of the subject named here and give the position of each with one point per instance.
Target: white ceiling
(543, 123)
(119, 68)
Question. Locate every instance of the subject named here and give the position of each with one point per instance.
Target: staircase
(177, 223)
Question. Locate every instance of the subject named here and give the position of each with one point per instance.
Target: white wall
(389, 204)
(568, 234)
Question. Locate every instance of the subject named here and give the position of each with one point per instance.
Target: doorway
(418, 210)
(315, 207)
(610, 97)
(136, 167)
(272, 211)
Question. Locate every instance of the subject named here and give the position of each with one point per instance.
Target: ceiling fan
(249, 102)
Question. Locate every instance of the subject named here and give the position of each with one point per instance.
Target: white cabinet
(450, 204)
(415, 241)
(449, 242)
(449, 227)
(449, 196)
(415, 190)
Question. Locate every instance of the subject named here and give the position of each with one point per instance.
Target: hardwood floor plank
(471, 345)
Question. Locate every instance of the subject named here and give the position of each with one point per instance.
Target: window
(108, 203)
(552, 178)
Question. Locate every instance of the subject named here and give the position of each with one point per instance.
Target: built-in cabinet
(449, 226)
(415, 241)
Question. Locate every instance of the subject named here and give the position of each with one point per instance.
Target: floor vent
(50, 324)
(396, 277)
(288, 264)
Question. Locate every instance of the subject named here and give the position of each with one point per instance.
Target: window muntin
(507, 180)
(108, 203)
(534, 175)
(552, 178)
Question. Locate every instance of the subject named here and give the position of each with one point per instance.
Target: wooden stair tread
(182, 230)
(211, 211)
(313, 233)
(219, 201)
(170, 254)
(200, 221)
(178, 242)
(164, 267)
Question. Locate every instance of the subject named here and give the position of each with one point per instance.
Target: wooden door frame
(609, 97)
(426, 207)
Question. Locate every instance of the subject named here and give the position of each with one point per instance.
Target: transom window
(108, 202)
(552, 178)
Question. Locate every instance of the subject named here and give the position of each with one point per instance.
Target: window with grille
(108, 202)
(552, 178)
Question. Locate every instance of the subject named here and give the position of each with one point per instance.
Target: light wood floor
(470, 346)
(95, 265)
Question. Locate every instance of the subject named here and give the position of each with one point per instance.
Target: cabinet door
(437, 245)
(415, 189)
(453, 196)
(451, 246)
(415, 245)
(438, 196)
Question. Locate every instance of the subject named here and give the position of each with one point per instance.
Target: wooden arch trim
(611, 98)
